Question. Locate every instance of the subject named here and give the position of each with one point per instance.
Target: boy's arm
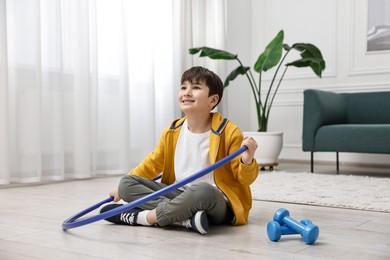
(245, 173)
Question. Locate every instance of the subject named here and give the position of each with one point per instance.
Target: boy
(189, 145)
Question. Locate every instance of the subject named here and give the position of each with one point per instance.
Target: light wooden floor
(31, 219)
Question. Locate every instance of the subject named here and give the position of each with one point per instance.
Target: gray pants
(177, 205)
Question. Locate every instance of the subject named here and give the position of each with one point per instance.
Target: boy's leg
(197, 197)
(132, 187)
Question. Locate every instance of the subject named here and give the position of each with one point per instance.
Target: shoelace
(128, 218)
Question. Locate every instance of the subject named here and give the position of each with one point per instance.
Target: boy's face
(194, 98)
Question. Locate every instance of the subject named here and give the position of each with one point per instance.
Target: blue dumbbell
(309, 232)
(275, 231)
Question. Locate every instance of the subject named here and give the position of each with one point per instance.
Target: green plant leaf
(241, 70)
(315, 63)
(271, 55)
(213, 53)
(311, 57)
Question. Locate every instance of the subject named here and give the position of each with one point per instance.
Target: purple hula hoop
(73, 221)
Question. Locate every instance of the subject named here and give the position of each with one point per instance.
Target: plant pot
(270, 145)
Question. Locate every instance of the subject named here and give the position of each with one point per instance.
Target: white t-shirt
(192, 155)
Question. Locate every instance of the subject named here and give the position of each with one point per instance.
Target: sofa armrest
(320, 108)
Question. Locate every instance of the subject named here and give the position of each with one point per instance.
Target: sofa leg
(311, 162)
(337, 162)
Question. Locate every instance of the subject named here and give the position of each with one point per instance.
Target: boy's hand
(248, 155)
(114, 193)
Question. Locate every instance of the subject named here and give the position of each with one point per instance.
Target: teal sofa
(345, 122)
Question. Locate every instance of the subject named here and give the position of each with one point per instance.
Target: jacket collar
(218, 123)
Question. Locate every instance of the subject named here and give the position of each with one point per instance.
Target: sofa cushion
(370, 138)
(368, 108)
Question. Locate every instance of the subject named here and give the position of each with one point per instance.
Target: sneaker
(198, 222)
(125, 218)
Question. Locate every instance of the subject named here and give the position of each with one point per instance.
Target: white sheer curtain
(86, 87)
(202, 23)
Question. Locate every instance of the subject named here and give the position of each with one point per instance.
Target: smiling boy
(189, 145)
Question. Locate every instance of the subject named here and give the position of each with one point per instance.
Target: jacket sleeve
(245, 173)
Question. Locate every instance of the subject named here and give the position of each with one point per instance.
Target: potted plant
(271, 56)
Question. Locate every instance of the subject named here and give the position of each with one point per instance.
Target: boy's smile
(187, 100)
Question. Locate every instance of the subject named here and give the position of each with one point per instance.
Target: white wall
(338, 28)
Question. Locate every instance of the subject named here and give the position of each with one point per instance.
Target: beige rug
(343, 191)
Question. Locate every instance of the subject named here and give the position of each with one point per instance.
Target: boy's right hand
(114, 193)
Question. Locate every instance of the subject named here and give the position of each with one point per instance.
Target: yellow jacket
(233, 178)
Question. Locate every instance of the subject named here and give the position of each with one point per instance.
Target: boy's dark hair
(200, 74)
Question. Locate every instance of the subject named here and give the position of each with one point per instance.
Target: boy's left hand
(248, 155)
